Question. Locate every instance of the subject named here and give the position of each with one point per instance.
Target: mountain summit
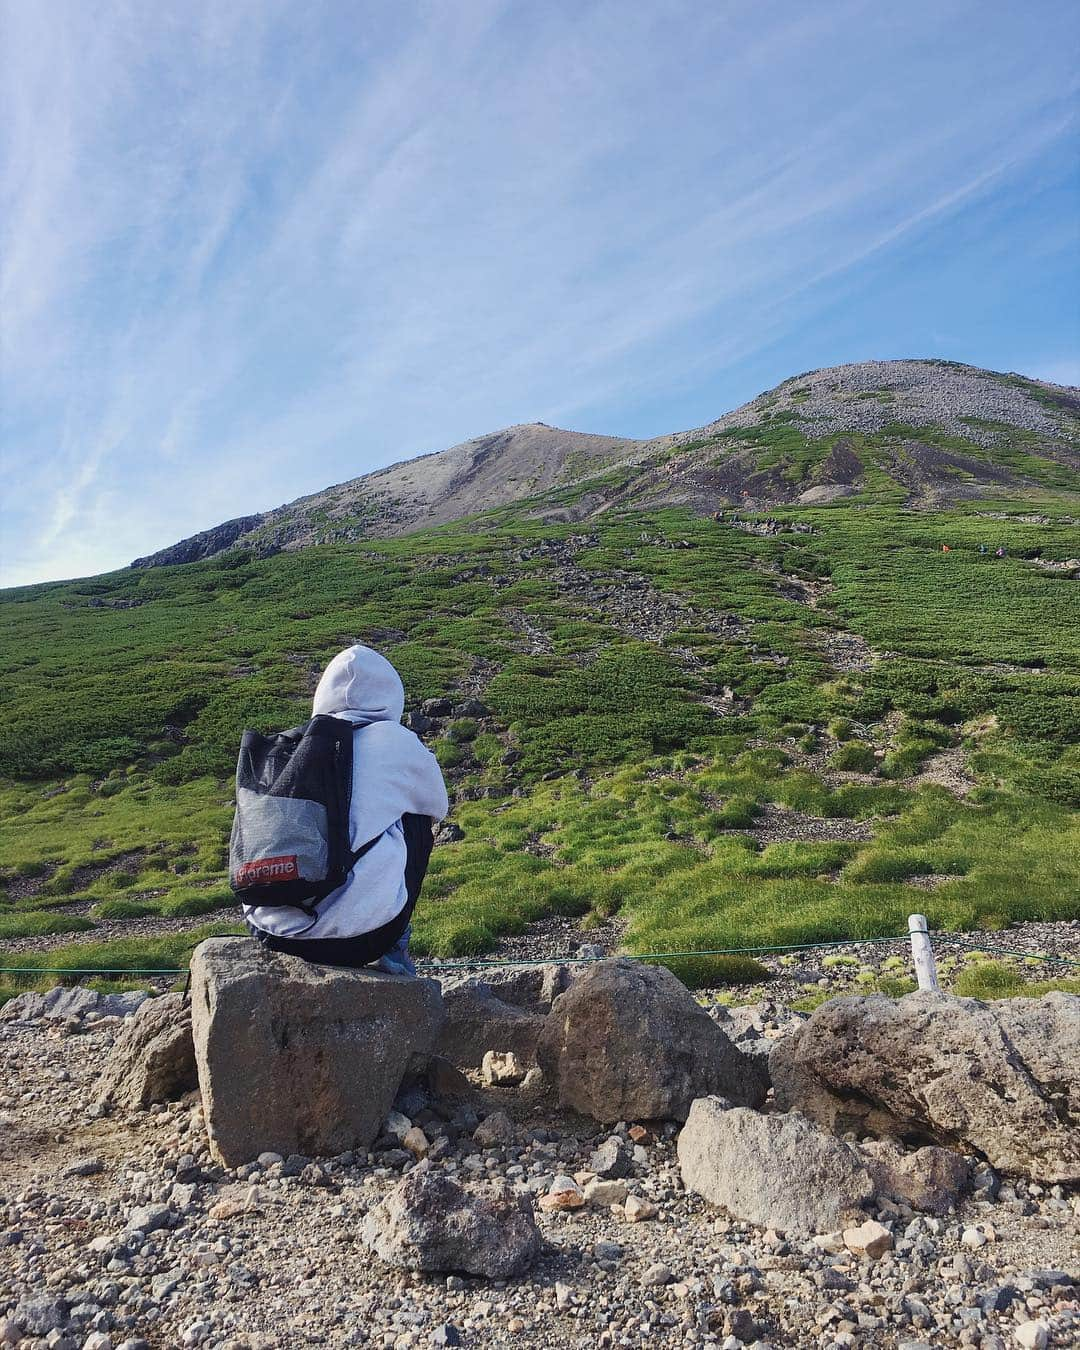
(927, 433)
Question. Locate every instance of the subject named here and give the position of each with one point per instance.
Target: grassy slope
(123, 722)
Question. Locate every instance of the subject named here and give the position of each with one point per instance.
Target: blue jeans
(397, 960)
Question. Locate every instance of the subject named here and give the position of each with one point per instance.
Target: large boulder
(504, 1011)
(778, 1171)
(477, 1021)
(430, 1223)
(295, 1057)
(627, 1041)
(1001, 1079)
(153, 1058)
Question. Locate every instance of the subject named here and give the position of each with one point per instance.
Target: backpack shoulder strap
(358, 853)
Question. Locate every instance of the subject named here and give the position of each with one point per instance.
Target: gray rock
(40, 1314)
(627, 1041)
(777, 1171)
(477, 1021)
(611, 1160)
(56, 1004)
(123, 1004)
(300, 1058)
(430, 1223)
(494, 1130)
(153, 1058)
(148, 1218)
(531, 988)
(930, 1179)
(1001, 1079)
(84, 1167)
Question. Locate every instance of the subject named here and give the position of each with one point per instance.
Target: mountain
(666, 725)
(928, 433)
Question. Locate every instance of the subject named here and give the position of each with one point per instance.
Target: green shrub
(448, 753)
(463, 730)
(854, 756)
(41, 924)
(711, 972)
(122, 909)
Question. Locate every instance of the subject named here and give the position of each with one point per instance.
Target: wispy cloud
(250, 249)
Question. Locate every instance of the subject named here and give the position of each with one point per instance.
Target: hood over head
(360, 684)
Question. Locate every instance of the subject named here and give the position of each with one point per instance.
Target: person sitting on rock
(398, 794)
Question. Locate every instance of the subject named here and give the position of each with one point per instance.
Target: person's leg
(397, 960)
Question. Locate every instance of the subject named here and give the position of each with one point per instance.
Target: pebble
(1033, 1335)
(870, 1239)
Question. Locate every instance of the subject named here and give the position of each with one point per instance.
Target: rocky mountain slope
(927, 433)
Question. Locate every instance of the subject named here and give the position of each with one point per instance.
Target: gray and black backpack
(290, 841)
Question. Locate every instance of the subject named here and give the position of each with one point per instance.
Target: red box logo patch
(267, 871)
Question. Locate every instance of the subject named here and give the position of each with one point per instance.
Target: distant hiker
(1001, 552)
(333, 827)
(982, 549)
(945, 548)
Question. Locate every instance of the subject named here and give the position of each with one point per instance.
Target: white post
(923, 954)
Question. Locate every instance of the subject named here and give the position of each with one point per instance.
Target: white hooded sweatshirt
(393, 774)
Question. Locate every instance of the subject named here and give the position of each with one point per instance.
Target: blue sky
(253, 248)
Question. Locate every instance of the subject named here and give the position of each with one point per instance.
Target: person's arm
(419, 839)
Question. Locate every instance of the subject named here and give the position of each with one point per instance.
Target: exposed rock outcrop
(627, 1041)
(296, 1058)
(1001, 1079)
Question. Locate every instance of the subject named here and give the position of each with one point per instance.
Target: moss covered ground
(662, 741)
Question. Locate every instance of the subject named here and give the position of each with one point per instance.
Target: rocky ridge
(705, 469)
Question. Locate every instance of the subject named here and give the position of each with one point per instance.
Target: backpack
(290, 841)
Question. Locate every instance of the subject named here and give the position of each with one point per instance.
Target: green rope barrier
(91, 970)
(577, 960)
(1007, 951)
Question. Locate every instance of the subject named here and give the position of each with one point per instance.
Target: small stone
(447, 1334)
(563, 1294)
(639, 1134)
(972, 1237)
(610, 1160)
(1033, 1335)
(515, 1326)
(501, 1069)
(637, 1210)
(38, 1316)
(870, 1239)
(494, 1130)
(267, 1160)
(84, 1167)
(228, 1207)
(833, 1243)
(604, 1193)
(396, 1126)
(10, 1331)
(607, 1251)
(656, 1275)
(564, 1193)
(97, 1340)
(148, 1219)
(417, 1142)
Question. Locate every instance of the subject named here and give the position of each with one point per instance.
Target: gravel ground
(123, 1220)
